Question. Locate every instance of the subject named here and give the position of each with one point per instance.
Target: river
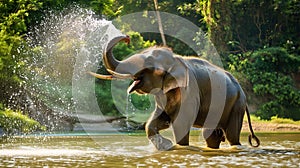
(134, 150)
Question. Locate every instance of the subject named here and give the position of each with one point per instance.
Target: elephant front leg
(185, 140)
(156, 123)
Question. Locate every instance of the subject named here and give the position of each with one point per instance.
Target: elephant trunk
(110, 62)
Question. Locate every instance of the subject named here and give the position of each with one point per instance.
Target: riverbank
(275, 125)
(267, 127)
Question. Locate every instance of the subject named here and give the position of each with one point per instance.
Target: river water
(134, 150)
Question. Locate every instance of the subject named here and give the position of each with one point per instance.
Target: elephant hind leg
(234, 125)
(213, 137)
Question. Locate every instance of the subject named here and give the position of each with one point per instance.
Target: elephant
(188, 92)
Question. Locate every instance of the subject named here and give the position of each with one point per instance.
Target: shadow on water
(106, 150)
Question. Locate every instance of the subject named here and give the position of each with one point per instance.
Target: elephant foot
(238, 147)
(161, 143)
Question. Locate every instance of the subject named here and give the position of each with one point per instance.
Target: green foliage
(277, 120)
(141, 102)
(12, 27)
(105, 7)
(274, 119)
(239, 26)
(269, 72)
(13, 122)
(104, 98)
(137, 42)
(275, 59)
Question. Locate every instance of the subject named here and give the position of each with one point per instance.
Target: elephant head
(152, 70)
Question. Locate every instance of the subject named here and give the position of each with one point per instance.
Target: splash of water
(61, 49)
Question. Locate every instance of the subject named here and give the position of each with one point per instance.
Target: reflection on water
(277, 150)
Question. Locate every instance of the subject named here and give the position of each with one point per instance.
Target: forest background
(258, 42)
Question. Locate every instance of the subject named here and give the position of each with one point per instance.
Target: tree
(240, 26)
(217, 16)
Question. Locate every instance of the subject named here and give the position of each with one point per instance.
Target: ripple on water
(177, 158)
(137, 152)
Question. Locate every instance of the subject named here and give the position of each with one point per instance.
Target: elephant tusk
(100, 76)
(119, 75)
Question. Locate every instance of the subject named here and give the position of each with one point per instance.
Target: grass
(277, 120)
(14, 121)
(274, 119)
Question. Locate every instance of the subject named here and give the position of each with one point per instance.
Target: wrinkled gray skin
(188, 91)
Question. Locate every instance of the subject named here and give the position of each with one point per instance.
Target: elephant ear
(177, 76)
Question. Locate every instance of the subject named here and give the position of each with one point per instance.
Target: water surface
(123, 150)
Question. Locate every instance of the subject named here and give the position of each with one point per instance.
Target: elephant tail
(251, 136)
